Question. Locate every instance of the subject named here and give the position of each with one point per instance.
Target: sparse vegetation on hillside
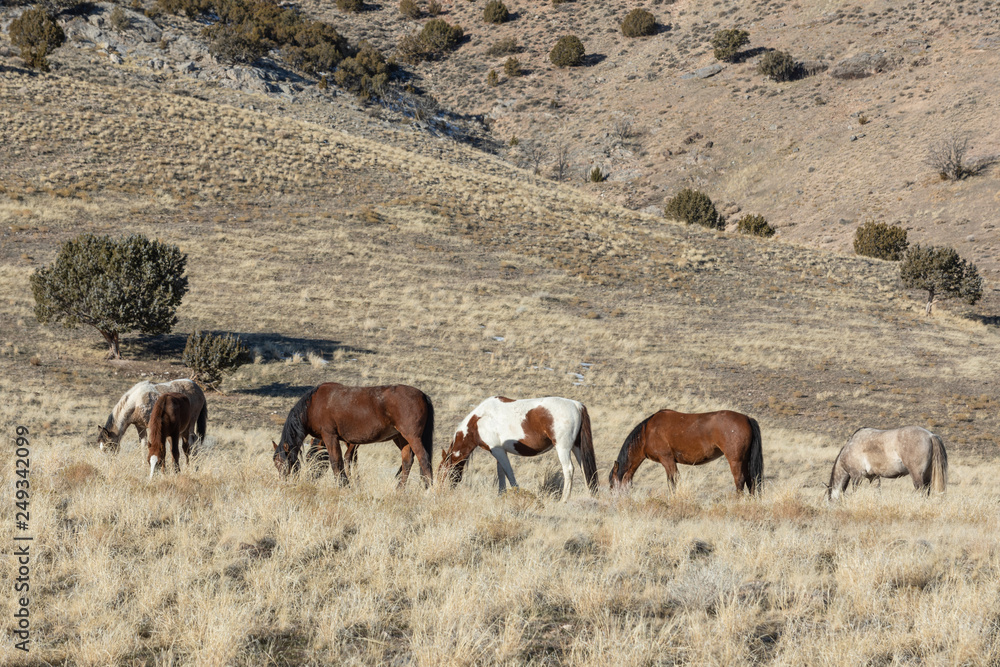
(880, 240)
(436, 38)
(504, 46)
(350, 6)
(727, 43)
(755, 225)
(210, 356)
(36, 33)
(942, 273)
(568, 52)
(778, 65)
(116, 285)
(639, 23)
(694, 207)
(495, 12)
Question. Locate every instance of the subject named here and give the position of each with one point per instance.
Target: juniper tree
(116, 285)
(941, 272)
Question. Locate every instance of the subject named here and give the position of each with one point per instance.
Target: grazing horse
(692, 439)
(136, 406)
(171, 418)
(359, 415)
(528, 427)
(871, 453)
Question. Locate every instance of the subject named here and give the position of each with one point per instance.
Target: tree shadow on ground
(172, 345)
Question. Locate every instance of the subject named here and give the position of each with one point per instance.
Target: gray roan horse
(871, 453)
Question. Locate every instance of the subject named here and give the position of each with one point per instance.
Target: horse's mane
(843, 449)
(631, 442)
(294, 431)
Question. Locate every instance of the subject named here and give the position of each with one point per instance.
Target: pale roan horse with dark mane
(135, 407)
(873, 454)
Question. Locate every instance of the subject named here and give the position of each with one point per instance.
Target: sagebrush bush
(755, 225)
(596, 176)
(409, 8)
(495, 12)
(434, 8)
(492, 79)
(694, 207)
(439, 36)
(366, 73)
(779, 65)
(568, 52)
(880, 240)
(639, 23)
(727, 43)
(512, 67)
(36, 33)
(119, 19)
(211, 355)
(350, 6)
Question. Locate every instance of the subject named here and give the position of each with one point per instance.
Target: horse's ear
(275, 445)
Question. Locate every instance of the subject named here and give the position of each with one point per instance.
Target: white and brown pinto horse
(871, 453)
(135, 407)
(528, 427)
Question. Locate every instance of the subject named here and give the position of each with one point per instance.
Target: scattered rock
(863, 65)
(703, 72)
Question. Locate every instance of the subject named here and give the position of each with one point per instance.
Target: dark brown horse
(359, 415)
(171, 418)
(692, 439)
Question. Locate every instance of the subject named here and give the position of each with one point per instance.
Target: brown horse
(171, 418)
(692, 439)
(359, 415)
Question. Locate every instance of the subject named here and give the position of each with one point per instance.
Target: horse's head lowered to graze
(108, 440)
(286, 458)
(455, 458)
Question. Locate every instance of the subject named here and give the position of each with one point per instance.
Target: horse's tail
(939, 465)
(756, 467)
(202, 423)
(585, 441)
(427, 438)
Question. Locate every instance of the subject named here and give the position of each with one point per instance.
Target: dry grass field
(339, 258)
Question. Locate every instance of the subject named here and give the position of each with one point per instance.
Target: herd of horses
(331, 413)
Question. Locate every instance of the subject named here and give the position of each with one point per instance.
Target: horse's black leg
(176, 452)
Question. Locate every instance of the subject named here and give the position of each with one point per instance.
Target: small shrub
(409, 8)
(727, 43)
(779, 65)
(503, 47)
(495, 12)
(755, 225)
(512, 67)
(438, 36)
(36, 33)
(694, 207)
(492, 79)
(942, 273)
(350, 6)
(119, 19)
(638, 23)
(568, 52)
(366, 73)
(323, 83)
(880, 240)
(210, 355)
(596, 176)
(559, 2)
(434, 8)
(948, 158)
